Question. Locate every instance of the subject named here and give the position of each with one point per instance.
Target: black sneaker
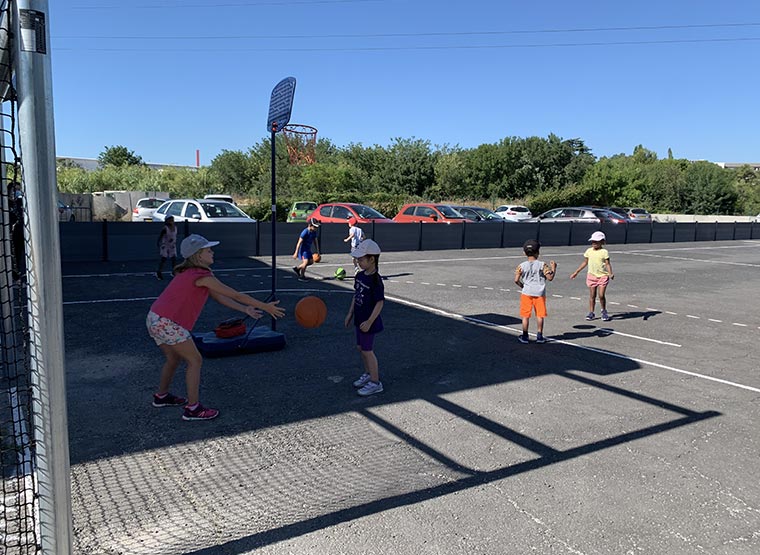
(523, 338)
(168, 400)
(540, 338)
(297, 270)
(159, 275)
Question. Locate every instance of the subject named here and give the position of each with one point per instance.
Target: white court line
(475, 321)
(252, 292)
(687, 259)
(714, 320)
(692, 316)
(633, 306)
(737, 324)
(613, 332)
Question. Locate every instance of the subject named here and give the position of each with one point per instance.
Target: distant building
(92, 164)
(737, 165)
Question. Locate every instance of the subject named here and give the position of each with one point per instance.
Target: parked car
(201, 210)
(428, 213)
(514, 212)
(639, 215)
(225, 198)
(339, 212)
(65, 213)
(299, 211)
(144, 209)
(757, 219)
(477, 214)
(567, 214)
(609, 216)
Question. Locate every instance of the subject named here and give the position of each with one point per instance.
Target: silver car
(145, 207)
(639, 215)
(568, 214)
(201, 210)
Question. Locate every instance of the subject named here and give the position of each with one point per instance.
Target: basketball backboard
(281, 104)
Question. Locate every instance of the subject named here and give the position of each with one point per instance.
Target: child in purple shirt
(366, 305)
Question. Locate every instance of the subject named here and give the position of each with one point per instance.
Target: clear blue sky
(167, 77)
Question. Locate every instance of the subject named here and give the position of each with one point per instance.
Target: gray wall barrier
(126, 241)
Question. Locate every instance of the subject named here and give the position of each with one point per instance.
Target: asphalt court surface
(637, 435)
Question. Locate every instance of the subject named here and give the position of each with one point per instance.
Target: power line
(402, 48)
(431, 34)
(226, 5)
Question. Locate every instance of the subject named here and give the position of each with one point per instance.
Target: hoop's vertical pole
(274, 225)
(43, 273)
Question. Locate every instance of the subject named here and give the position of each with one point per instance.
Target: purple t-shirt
(368, 290)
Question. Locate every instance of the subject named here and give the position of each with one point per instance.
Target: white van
(225, 198)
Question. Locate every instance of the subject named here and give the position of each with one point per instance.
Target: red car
(340, 212)
(429, 213)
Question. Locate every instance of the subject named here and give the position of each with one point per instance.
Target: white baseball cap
(598, 236)
(193, 243)
(368, 246)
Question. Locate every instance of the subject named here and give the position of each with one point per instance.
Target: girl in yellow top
(599, 274)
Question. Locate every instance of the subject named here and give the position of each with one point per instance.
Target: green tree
(118, 156)
(747, 184)
(709, 190)
(229, 172)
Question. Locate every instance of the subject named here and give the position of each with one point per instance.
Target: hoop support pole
(274, 223)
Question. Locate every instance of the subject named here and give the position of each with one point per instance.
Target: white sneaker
(370, 388)
(363, 379)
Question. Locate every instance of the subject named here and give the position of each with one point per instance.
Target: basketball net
(300, 141)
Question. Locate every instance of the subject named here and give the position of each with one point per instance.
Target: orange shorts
(528, 303)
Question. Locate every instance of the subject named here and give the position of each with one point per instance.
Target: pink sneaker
(199, 413)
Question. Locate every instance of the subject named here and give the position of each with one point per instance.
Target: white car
(513, 212)
(201, 210)
(226, 198)
(144, 209)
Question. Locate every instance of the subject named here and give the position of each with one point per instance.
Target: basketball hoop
(300, 141)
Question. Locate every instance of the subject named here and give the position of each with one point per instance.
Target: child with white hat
(597, 258)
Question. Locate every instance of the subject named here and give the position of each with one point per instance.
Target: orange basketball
(311, 312)
(315, 257)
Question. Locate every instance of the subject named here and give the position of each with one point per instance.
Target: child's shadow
(388, 276)
(629, 315)
(588, 330)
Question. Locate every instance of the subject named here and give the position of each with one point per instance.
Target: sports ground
(638, 435)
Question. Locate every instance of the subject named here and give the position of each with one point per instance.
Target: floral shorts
(164, 331)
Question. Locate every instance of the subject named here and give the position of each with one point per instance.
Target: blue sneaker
(523, 338)
(540, 338)
(370, 388)
(590, 316)
(605, 316)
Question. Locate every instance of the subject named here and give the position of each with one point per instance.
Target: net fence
(19, 526)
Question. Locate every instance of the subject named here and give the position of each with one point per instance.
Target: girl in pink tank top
(173, 315)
